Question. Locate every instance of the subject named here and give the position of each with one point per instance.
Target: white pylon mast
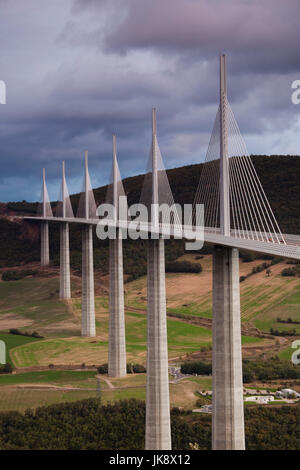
(63, 190)
(154, 211)
(44, 194)
(224, 164)
(86, 185)
(115, 178)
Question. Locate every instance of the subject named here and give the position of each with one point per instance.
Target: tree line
(88, 425)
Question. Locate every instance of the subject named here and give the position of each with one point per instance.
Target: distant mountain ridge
(279, 176)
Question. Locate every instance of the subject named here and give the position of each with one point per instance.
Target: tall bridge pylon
(64, 210)
(158, 426)
(234, 200)
(116, 342)
(228, 407)
(44, 210)
(87, 210)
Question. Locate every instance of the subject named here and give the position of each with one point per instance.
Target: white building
(287, 393)
(261, 400)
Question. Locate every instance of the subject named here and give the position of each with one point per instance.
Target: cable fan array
(87, 205)
(115, 190)
(64, 206)
(251, 216)
(44, 206)
(162, 187)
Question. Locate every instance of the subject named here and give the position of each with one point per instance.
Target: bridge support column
(45, 243)
(228, 406)
(65, 284)
(158, 428)
(117, 344)
(88, 327)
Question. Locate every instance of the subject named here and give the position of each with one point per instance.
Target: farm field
(40, 388)
(13, 341)
(32, 304)
(59, 321)
(263, 297)
(183, 338)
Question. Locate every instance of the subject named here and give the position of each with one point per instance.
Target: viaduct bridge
(237, 216)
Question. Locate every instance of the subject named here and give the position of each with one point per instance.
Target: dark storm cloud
(79, 71)
(261, 35)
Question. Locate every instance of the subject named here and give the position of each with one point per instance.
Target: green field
(289, 307)
(21, 400)
(32, 304)
(35, 301)
(12, 341)
(39, 388)
(183, 338)
(286, 354)
(54, 377)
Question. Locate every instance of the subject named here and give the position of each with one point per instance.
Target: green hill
(278, 174)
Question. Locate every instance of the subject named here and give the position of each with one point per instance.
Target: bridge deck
(289, 249)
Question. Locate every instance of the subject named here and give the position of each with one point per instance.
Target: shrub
(135, 368)
(103, 369)
(252, 370)
(6, 368)
(289, 272)
(196, 367)
(35, 334)
(15, 331)
(183, 267)
(11, 275)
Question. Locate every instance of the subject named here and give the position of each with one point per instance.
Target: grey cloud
(260, 35)
(77, 72)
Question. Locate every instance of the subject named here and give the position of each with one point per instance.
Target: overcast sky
(78, 71)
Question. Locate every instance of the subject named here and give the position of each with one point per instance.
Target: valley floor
(46, 367)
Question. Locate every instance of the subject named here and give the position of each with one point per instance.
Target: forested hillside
(279, 175)
(88, 425)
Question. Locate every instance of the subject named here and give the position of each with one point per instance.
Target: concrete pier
(117, 344)
(44, 243)
(158, 427)
(65, 284)
(88, 326)
(228, 406)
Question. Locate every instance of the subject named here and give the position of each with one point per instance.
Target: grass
(287, 308)
(12, 341)
(202, 309)
(204, 383)
(183, 338)
(183, 394)
(286, 354)
(131, 380)
(35, 299)
(21, 400)
(52, 377)
(33, 304)
(60, 351)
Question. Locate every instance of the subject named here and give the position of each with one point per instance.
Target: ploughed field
(32, 304)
